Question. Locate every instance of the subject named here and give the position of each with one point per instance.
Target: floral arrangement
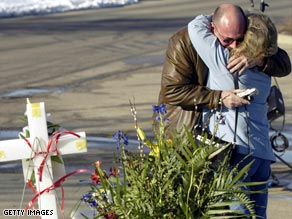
(179, 178)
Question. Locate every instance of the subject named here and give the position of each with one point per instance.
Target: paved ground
(86, 65)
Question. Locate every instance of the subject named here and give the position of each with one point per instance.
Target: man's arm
(183, 76)
(278, 65)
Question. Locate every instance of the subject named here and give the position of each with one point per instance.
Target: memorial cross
(35, 151)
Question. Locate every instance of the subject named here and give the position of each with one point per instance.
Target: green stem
(189, 190)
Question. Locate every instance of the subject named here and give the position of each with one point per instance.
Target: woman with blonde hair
(252, 133)
(260, 39)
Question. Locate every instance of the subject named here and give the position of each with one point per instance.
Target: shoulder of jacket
(182, 35)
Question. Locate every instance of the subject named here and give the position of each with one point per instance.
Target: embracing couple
(197, 84)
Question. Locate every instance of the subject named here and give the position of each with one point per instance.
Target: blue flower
(157, 118)
(159, 109)
(119, 135)
(162, 109)
(92, 203)
(87, 196)
(126, 141)
(155, 109)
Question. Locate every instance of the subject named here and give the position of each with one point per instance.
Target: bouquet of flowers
(177, 179)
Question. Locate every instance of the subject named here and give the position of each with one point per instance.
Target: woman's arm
(208, 47)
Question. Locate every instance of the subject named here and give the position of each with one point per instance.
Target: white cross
(19, 149)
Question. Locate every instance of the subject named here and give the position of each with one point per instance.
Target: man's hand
(231, 100)
(240, 63)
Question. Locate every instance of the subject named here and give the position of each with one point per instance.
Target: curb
(285, 39)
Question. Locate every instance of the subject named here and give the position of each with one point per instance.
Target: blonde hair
(260, 39)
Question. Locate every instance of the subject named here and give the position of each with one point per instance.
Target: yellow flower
(155, 147)
(141, 134)
(154, 150)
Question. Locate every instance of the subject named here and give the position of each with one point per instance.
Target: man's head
(229, 25)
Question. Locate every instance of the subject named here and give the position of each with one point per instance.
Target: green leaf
(57, 159)
(241, 173)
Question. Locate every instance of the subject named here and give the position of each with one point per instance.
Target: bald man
(184, 75)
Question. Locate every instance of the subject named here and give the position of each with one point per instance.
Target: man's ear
(212, 26)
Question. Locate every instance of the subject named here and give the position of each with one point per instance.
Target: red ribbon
(55, 138)
(52, 187)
